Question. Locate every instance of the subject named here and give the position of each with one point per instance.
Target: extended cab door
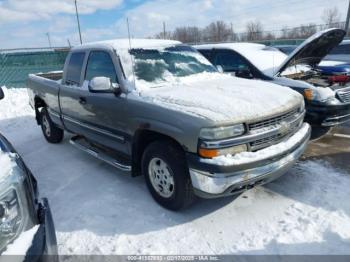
(104, 114)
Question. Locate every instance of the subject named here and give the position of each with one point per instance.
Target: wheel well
(142, 139)
(38, 103)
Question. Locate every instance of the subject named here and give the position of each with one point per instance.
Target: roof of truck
(125, 44)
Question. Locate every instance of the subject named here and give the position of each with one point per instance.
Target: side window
(229, 61)
(74, 68)
(207, 54)
(100, 64)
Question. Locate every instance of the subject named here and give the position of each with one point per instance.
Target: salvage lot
(97, 210)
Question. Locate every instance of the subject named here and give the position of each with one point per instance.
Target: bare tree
(217, 31)
(254, 31)
(191, 34)
(331, 17)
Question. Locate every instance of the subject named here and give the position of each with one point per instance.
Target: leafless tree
(331, 17)
(254, 31)
(217, 31)
(191, 34)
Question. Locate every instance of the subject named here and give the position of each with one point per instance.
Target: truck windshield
(156, 66)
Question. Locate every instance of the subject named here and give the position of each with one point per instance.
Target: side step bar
(81, 143)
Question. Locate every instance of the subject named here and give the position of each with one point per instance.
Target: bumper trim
(337, 120)
(212, 185)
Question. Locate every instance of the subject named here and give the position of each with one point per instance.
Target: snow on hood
(224, 98)
(314, 49)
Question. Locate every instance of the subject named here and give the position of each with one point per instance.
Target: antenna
(132, 59)
(48, 38)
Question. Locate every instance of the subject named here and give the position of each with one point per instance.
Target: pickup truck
(160, 109)
(26, 224)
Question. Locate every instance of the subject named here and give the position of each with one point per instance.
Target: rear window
(74, 68)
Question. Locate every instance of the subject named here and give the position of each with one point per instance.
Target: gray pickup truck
(158, 108)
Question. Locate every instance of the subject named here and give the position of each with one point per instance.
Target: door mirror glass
(220, 68)
(2, 95)
(102, 84)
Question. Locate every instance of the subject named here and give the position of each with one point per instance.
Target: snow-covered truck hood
(313, 50)
(224, 99)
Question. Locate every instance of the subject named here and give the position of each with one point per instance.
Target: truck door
(103, 114)
(71, 93)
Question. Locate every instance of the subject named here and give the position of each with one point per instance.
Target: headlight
(320, 94)
(13, 206)
(216, 133)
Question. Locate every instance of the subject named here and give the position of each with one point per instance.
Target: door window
(229, 61)
(100, 64)
(74, 68)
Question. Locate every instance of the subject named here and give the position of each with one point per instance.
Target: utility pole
(76, 12)
(164, 30)
(48, 38)
(347, 19)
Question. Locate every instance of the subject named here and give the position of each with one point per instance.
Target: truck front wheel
(52, 133)
(165, 170)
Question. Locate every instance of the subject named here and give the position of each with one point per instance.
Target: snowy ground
(100, 211)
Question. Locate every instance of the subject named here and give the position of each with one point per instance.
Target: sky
(25, 23)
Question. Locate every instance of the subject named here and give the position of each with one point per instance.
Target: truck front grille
(285, 124)
(344, 95)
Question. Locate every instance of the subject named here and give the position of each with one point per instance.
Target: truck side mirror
(220, 68)
(2, 95)
(101, 84)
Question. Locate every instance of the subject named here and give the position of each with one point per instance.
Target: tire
(318, 132)
(174, 190)
(52, 133)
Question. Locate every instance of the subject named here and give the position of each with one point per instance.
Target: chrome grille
(285, 124)
(273, 121)
(344, 95)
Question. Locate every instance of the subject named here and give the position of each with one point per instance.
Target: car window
(100, 64)
(341, 50)
(229, 61)
(74, 68)
(206, 53)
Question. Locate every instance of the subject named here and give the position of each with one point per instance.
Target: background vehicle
(287, 49)
(327, 102)
(150, 111)
(21, 210)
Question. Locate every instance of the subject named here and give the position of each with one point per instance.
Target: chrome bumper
(211, 185)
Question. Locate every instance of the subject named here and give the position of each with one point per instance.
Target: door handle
(82, 100)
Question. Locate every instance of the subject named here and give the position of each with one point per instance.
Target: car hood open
(313, 50)
(225, 99)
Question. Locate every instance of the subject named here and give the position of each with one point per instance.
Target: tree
(218, 31)
(254, 31)
(331, 17)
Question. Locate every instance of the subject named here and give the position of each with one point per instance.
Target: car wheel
(167, 176)
(52, 133)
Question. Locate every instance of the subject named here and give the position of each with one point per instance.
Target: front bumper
(327, 115)
(212, 181)
(44, 245)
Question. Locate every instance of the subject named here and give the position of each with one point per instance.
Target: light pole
(76, 12)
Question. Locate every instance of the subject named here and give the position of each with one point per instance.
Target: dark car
(340, 53)
(327, 101)
(23, 214)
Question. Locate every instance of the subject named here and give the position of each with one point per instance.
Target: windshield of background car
(153, 65)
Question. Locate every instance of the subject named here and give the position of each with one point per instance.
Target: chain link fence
(16, 64)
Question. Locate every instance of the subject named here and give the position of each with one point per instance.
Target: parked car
(327, 102)
(340, 53)
(160, 109)
(23, 215)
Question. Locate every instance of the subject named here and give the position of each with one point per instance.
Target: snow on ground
(98, 210)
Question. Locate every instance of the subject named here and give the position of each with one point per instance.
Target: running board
(82, 144)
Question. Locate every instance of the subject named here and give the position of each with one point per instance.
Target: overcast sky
(24, 23)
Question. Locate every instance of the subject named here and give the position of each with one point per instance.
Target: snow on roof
(125, 44)
(265, 58)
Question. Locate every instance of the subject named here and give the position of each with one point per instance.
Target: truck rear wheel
(52, 133)
(167, 177)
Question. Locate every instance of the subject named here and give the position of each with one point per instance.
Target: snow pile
(22, 244)
(15, 103)
(247, 157)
